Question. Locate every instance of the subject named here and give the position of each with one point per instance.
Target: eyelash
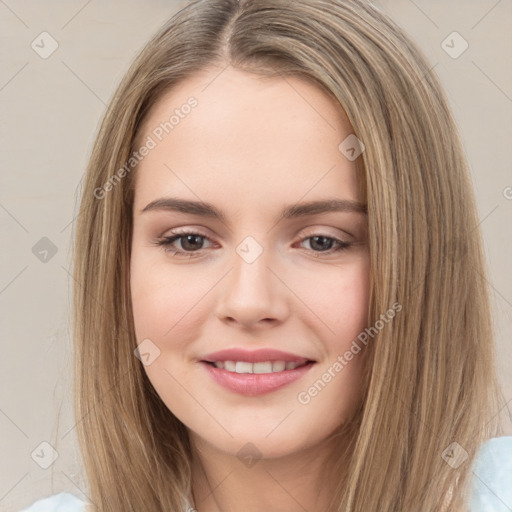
(167, 241)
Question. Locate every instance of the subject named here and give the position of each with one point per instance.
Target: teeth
(262, 367)
(278, 366)
(230, 366)
(243, 367)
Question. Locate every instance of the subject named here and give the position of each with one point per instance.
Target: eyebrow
(290, 212)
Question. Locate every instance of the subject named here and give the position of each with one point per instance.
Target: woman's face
(248, 279)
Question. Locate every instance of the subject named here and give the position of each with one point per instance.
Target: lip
(255, 356)
(254, 384)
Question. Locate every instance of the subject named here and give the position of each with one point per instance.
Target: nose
(253, 294)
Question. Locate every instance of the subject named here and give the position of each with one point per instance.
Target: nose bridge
(251, 275)
(252, 292)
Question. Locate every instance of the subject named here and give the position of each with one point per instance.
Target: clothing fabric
(491, 490)
(67, 502)
(492, 477)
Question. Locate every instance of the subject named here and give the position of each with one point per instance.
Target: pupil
(322, 246)
(188, 239)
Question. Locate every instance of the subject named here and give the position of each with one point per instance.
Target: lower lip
(254, 384)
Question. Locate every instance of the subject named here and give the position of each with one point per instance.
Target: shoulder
(67, 502)
(492, 474)
(63, 502)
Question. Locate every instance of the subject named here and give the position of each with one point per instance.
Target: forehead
(247, 135)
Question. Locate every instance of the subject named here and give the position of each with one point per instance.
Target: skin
(250, 147)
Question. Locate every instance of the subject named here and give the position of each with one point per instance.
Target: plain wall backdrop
(52, 99)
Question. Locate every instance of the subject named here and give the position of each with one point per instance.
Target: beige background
(51, 109)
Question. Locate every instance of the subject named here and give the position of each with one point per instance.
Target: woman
(280, 302)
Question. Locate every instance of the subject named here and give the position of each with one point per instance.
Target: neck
(300, 481)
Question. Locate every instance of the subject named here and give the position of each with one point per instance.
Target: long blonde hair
(430, 379)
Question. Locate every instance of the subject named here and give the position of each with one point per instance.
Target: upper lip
(254, 356)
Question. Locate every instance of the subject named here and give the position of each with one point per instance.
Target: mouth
(262, 367)
(257, 372)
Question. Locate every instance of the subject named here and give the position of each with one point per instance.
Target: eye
(324, 244)
(191, 242)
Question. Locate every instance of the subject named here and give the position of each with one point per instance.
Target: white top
(492, 483)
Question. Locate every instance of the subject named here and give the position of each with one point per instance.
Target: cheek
(334, 390)
(352, 302)
(167, 309)
(166, 301)
(339, 298)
